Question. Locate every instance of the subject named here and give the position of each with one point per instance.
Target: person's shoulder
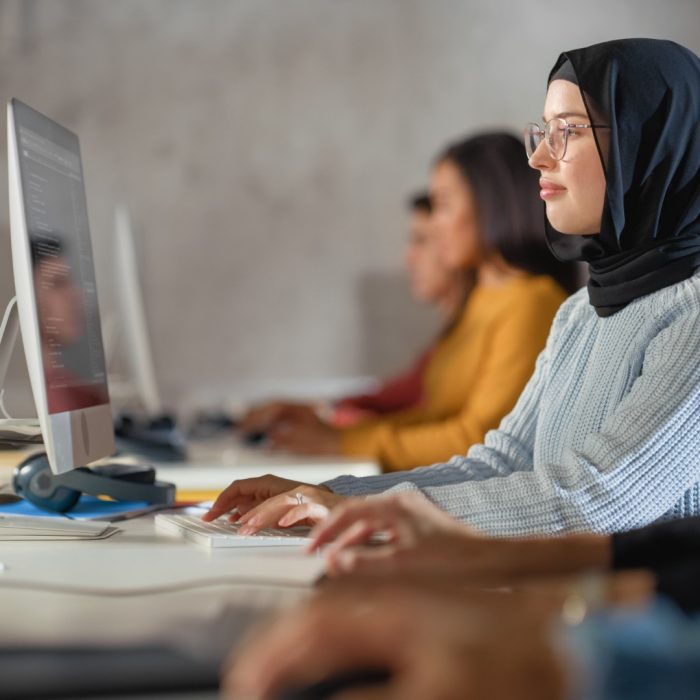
(672, 314)
(675, 301)
(574, 311)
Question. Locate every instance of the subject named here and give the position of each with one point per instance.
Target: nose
(541, 158)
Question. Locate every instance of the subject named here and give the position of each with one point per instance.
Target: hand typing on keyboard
(270, 501)
(222, 533)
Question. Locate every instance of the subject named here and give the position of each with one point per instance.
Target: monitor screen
(62, 264)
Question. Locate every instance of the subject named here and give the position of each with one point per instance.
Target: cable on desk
(146, 590)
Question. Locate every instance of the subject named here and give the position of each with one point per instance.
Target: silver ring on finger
(300, 498)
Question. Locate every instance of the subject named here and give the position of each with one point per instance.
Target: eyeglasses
(555, 134)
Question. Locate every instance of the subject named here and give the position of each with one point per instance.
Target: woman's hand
(292, 427)
(245, 494)
(303, 505)
(259, 418)
(270, 501)
(431, 643)
(301, 431)
(415, 537)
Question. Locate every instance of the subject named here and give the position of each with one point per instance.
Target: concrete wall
(265, 149)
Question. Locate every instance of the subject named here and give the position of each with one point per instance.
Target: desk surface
(160, 579)
(139, 595)
(142, 589)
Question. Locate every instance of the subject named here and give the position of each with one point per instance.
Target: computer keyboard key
(222, 533)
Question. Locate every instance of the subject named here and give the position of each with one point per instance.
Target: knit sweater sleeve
(506, 450)
(630, 472)
(506, 363)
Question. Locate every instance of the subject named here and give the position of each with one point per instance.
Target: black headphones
(34, 481)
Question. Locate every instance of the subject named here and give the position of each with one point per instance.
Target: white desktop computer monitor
(56, 291)
(134, 339)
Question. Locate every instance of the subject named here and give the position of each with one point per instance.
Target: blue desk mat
(87, 508)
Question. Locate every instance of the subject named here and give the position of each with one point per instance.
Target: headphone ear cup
(34, 482)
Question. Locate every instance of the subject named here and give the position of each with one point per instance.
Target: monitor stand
(34, 481)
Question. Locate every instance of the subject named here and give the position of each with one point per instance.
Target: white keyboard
(222, 533)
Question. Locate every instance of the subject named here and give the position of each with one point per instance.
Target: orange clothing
(473, 379)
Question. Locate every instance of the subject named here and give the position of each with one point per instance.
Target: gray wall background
(265, 149)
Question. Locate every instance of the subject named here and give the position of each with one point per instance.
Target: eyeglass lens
(554, 132)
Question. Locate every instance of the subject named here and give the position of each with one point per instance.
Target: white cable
(6, 317)
(147, 590)
(6, 351)
(7, 343)
(3, 410)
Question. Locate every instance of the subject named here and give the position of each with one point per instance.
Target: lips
(549, 189)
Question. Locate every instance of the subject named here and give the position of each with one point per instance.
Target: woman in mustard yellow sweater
(488, 221)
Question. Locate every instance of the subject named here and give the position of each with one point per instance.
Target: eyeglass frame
(567, 130)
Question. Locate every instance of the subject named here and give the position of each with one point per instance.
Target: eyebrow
(562, 115)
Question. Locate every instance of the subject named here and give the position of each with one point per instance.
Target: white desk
(221, 592)
(200, 620)
(132, 564)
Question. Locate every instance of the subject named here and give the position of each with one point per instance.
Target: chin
(569, 230)
(563, 224)
(570, 225)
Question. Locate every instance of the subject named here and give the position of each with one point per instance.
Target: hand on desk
(259, 418)
(270, 501)
(292, 427)
(433, 643)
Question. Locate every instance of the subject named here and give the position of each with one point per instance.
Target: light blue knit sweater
(605, 437)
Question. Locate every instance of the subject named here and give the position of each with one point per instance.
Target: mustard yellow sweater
(473, 379)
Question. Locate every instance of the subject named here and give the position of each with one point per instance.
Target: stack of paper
(29, 527)
(20, 431)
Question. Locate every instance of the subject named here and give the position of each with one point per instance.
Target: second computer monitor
(132, 326)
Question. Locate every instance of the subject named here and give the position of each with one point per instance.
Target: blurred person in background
(432, 282)
(488, 226)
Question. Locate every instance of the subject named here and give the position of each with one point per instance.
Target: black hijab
(648, 92)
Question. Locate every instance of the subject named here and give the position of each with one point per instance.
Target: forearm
(624, 478)
(451, 472)
(466, 558)
(552, 556)
(505, 450)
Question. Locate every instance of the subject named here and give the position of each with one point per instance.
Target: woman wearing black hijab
(649, 234)
(606, 436)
